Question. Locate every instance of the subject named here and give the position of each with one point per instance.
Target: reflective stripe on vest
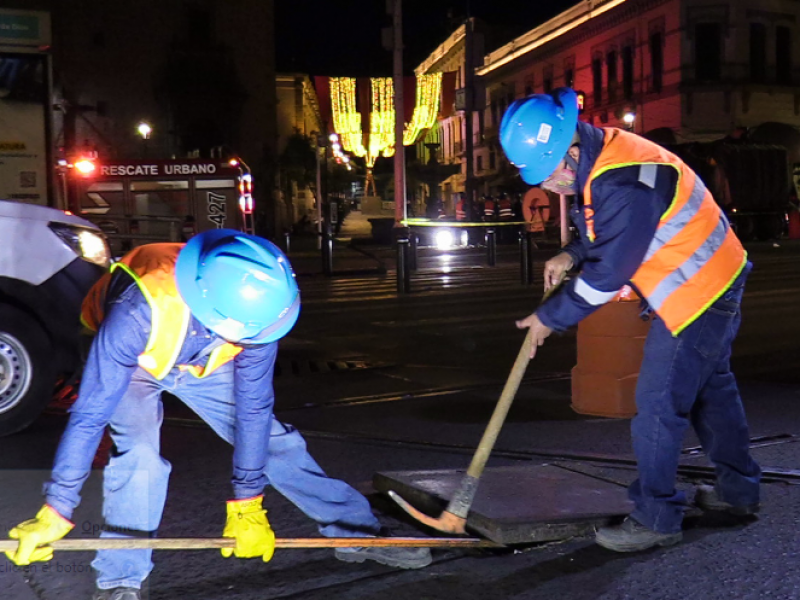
(694, 255)
(505, 209)
(152, 267)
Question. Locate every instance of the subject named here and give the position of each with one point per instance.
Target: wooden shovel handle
(492, 431)
(213, 543)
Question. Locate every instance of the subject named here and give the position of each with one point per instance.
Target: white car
(48, 261)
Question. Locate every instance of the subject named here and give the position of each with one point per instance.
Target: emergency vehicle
(49, 261)
(57, 218)
(144, 201)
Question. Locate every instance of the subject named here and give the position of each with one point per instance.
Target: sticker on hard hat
(544, 133)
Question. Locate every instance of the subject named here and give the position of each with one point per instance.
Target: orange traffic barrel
(610, 349)
(794, 225)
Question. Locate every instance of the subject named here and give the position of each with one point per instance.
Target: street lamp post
(144, 129)
(399, 154)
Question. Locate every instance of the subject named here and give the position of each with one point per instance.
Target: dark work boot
(706, 497)
(120, 593)
(632, 536)
(402, 558)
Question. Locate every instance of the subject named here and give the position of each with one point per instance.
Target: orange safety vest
(505, 209)
(694, 256)
(488, 209)
(152, 267)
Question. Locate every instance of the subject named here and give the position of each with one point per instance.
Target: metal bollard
(525, 258)
(413, 241)
(287, 237)
(401, 238)
(491, 246)
(327, 250)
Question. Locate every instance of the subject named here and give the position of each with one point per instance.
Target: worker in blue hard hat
(200, 321)
(645, 219)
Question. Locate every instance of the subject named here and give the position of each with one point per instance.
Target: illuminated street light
(629, 118)
(144, 130)
(333, 137)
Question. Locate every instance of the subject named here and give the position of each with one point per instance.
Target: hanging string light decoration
(381, 130)
(346, 119)
(426, 108)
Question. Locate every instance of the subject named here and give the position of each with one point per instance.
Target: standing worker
(461, 207)
(200, 321)
(645, 218)
(505, 208)
(489, 209)
(505, 214)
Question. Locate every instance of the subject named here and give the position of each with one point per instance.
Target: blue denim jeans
(687, 380)
(135, 480)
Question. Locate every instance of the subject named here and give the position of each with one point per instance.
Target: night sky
(321, 37)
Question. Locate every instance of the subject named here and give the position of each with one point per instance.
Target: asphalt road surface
(378, 382)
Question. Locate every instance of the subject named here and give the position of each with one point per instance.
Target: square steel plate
(518, 504)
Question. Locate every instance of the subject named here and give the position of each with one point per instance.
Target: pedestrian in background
(647, 219)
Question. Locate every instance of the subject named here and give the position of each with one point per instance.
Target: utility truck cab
(48, 261)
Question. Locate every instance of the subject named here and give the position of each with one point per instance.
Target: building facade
(673, 70)
(200, 73)
(298, 113)
(448, 136)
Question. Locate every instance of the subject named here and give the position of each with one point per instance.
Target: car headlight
(444, 239)
(89, 244)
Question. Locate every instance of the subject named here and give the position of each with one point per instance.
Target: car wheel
(27, 371)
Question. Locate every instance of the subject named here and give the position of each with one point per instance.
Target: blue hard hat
(537, 131)
(239, 286)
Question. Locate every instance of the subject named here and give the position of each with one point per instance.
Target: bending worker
(200, 321)
(647, 220)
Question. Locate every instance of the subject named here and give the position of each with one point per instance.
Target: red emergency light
(246, 204)
(85, 166)
(246, 194)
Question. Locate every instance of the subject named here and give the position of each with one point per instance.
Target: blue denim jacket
(112, 360)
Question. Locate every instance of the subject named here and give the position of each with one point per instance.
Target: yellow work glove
(34, 535)
(247, 522)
